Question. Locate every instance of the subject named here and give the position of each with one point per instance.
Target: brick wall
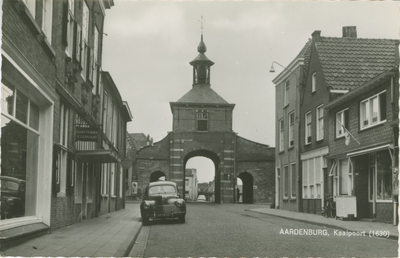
(64, 212)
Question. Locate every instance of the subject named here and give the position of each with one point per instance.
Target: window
(342, 178)
(305, 178)
(20, 140)
(31, 4)
(104, 178)
(121, 177)
(95, 63)
(314, 82)
(291, 129)
(380, 176)
(70, 28)
(85, 40)
(202, 121)
(47, 19)
(293, 181)
(308, 128)
(320, 123)
(281, 134)
(64, 125)
(313, 177)
(342, 122)
(286, 93)
(78, 46)
(62, 155)
(113, 174)
(373, 110)
(286, 182)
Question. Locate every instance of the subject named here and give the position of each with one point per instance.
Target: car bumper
(163, 212)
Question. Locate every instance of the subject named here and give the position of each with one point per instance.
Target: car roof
(5, 178)
(162, 183)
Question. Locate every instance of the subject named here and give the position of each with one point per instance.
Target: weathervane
(201, 27)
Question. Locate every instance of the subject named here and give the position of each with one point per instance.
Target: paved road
(228, 231)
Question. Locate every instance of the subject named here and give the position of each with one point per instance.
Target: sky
(148, 46)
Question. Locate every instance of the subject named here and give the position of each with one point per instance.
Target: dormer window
(202, 121)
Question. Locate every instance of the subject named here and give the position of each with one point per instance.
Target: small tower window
(202, 121)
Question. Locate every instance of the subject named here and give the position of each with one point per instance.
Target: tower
(201, 65)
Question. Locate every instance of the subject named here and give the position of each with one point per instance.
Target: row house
(333, 68)
(52, 140)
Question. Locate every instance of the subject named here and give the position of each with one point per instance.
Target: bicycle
(329, 208)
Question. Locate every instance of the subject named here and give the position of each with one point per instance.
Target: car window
(162, 189)
(8, 185)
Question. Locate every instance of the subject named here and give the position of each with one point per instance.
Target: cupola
(201, 66)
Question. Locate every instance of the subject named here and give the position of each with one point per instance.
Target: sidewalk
(355, 225)
(110, 235)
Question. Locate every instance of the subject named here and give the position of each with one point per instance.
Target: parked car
(12, 197)
(201, 198)
(161, 201)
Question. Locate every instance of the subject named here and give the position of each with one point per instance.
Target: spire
(202, 47)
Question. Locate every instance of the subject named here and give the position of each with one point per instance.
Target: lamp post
(297, 119)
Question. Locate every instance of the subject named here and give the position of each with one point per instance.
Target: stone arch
(247, 191)
(216, 160)
(155, 176)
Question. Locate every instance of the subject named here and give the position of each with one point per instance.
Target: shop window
(342, 122)
(202, 121)
(112, 175)
(308, 127)
(380, 176)
(373, 110)
(104, 179)
(121, 178)
(19, 153)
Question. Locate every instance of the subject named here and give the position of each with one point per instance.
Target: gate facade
(202, 126)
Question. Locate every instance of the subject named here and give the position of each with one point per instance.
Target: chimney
(349, 32)
(316, 36)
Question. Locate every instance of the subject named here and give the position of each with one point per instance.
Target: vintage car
(12, 197)
(160, 201)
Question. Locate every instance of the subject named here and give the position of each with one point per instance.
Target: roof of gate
(202, 94)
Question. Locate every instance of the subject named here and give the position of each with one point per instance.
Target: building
(202, 126)
(287, 159)
(342, 75)
(28, 103)
(191, 188)
(363, 141)
(52, 114)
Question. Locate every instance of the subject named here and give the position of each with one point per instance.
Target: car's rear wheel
(182, 219)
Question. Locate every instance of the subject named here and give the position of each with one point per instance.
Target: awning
(99, 156)
(370, 150)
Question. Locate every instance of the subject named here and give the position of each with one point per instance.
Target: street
(213, 230)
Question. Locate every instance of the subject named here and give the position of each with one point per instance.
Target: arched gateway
(202, 126)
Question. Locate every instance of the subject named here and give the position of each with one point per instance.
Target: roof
(350, 62)
(162, 183)
(139, 140)
(202, 93)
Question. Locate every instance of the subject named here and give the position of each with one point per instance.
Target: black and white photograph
(209, 128)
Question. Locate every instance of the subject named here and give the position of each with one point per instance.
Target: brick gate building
(202, 126)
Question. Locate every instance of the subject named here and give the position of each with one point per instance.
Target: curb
(128, 244)
(391, 237)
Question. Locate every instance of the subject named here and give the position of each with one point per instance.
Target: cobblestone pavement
(213, 230)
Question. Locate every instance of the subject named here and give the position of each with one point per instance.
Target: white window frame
(121, 173)
(31, 5)
(70, 29)
(368, 120)
(320, 122)
(113, 174)
(286, 93)
(314, 82)
(47, 19)
(293, 185)
(85, 40)
(95, 63)
(202, 116)
(291, 129)
(340, 121)
(308, 132)
(281, 134)
(286, 182)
